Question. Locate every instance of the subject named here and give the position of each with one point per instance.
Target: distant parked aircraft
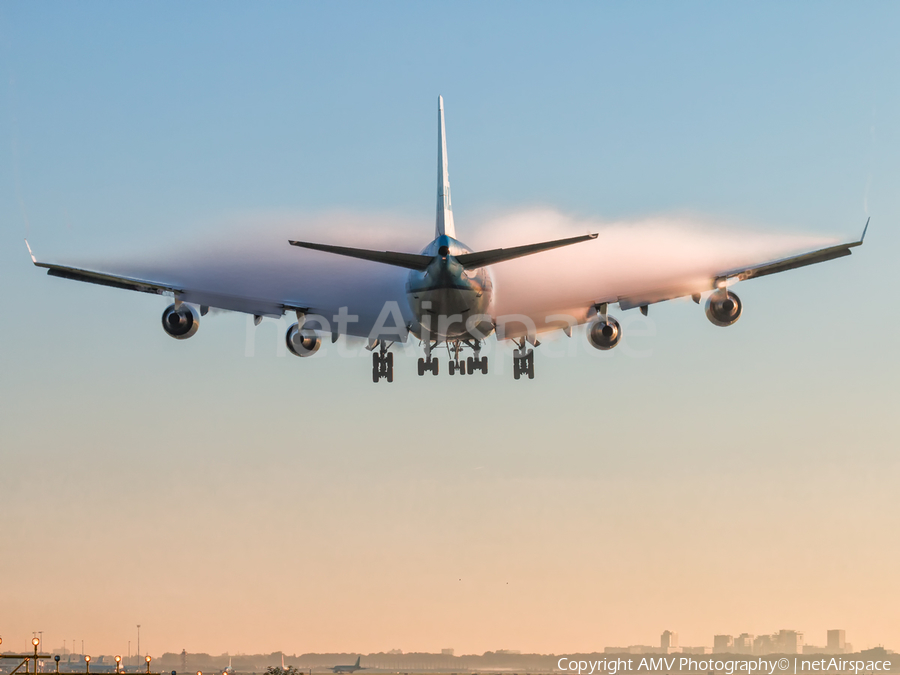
(348, 669)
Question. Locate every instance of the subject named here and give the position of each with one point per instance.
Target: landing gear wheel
(435, 368)
(421, 367)
(523, 363)
(382, 365)
(462, 368)
(451, 368)
(484, 365)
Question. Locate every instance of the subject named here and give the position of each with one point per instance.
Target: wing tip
(865, 229)
(30, 252)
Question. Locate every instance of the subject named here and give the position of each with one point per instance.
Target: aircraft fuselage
(448, 301)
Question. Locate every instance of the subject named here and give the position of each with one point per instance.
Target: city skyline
(783, 641)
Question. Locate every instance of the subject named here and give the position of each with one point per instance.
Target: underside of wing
(742, 273)
(634, 267)
(346, 301)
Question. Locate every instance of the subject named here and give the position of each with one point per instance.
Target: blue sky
(715, 486)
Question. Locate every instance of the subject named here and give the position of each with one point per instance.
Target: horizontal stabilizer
(410, 261)
(482, 258)
(414, 261)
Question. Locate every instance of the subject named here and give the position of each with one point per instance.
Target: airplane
(348, 669)
(448, 297)
(230, 670)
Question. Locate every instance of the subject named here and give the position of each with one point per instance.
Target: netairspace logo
(728, 666)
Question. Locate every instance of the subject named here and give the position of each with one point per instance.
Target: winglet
(33, 259)
(863, 237)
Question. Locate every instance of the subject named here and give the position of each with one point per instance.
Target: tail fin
(444, 224)
(359, 657)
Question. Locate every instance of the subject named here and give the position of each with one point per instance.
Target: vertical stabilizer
(444, 223)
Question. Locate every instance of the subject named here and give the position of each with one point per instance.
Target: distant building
(723, 644)
(764, 644)
(447, 652)
(668, 642)
(789, 642)
(743, 643)
(837, 641)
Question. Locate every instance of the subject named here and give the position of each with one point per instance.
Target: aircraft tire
(484, 365)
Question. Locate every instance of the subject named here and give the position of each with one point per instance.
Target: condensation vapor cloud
(250, 256)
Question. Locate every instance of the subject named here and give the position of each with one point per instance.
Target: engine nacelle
(604, 334)
(302, 341)
(723, 308)
(180, 322)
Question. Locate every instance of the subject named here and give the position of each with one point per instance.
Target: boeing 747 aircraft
(448, 299)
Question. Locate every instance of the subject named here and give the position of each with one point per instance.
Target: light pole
(118, 662)
(148, 664)
(87, 663)
(56, 658)
(139, 640)
(35, 642)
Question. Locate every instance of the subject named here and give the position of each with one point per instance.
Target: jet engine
(180, 321)
(723, 308)
(604, 334)
(302, 341)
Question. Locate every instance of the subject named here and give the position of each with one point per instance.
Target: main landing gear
(456, 364)
(383, 363)
(469, 365)
(429, 365)
(523, 360)
(383, 360)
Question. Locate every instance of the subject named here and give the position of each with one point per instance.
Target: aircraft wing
(635, 269)
(728, 276)
(259, 306)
